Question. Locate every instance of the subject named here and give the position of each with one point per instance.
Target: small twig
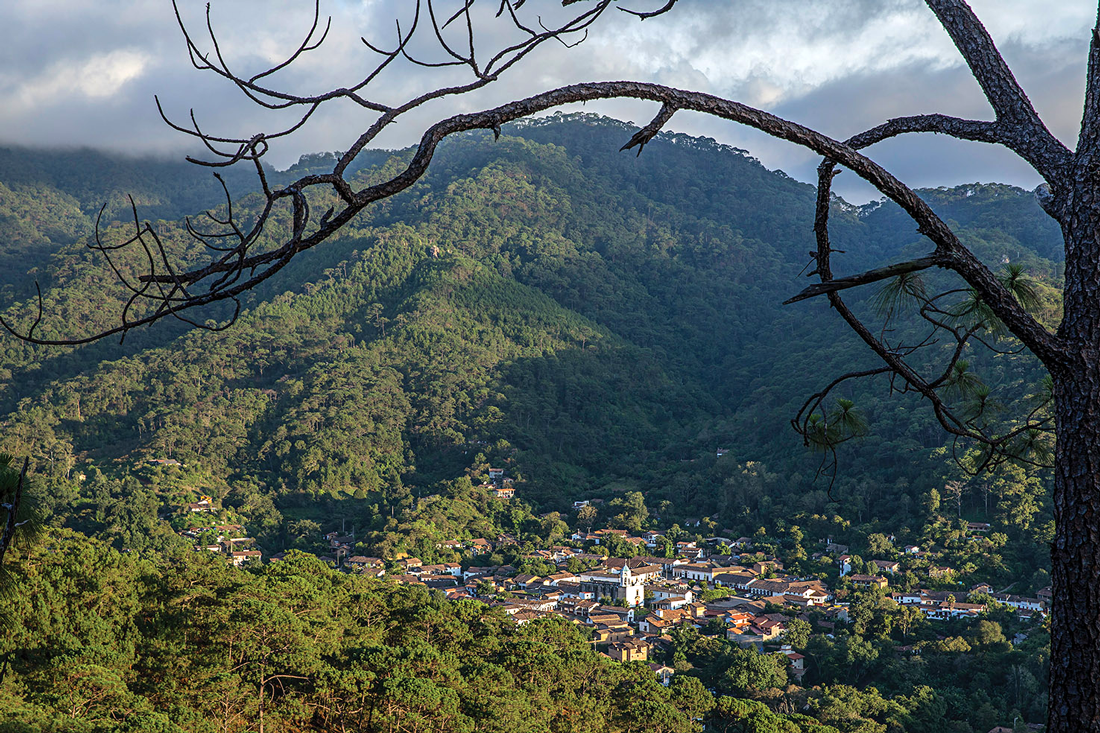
(652, 13)
(647, 133)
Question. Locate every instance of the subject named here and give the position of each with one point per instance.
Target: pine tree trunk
(261, 691)
(1075, 557)
(1075, 553)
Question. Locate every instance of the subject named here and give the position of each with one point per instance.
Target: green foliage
(111, 642)
(542, 290)
(749, 670)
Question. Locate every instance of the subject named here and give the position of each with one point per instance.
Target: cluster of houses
(937, 605)
(231, 541)
(498, 485)
(630, 605)
(942, 605)
(663, 585)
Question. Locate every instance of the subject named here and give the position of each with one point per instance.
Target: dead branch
(647, 133)
(949, 252)
(236, 266)
(865, 278)
(652, 13)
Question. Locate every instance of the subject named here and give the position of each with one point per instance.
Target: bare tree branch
(976, 130)
(948, 250)
(238, 267)
(1010, 104)
(647, 133)
(865, 278)
(652, 13)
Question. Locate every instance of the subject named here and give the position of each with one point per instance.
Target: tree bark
(1075, 552)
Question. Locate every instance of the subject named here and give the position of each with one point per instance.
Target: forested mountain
(596, 321)
(597, 324)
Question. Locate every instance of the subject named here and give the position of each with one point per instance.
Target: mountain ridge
(595, 320)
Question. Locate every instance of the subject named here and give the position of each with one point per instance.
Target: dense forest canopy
(605, 317)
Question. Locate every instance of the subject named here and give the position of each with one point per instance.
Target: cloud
(764, 52)
(1032, 23)
(98, 77)
(74, 73)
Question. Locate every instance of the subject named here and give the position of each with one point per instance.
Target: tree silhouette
(984, 308)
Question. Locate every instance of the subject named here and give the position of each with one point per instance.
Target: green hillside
(593, 321)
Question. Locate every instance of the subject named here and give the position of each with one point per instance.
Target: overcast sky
(80, 73)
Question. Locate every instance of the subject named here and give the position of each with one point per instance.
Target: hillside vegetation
(591, 320)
